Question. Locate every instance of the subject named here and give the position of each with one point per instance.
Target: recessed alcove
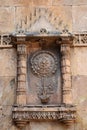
(44, 80)
(44, 91)
(43, 75)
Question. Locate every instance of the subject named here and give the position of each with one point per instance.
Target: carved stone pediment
(43, 27)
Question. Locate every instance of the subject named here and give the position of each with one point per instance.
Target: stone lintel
(9, 40)
(60, 39)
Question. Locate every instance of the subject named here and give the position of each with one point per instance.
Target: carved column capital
(65, 50)
(21, 48)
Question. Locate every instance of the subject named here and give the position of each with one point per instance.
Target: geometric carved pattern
(5, 40)
(65, 114)
(79, 40)
(44, 63)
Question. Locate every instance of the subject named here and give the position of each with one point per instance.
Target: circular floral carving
(44, 63)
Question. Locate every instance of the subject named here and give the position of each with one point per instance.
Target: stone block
(79, 2)
(8, 85)
(67, 85)
(21, 99)
(6, 119)
(48, 126)
(62, 2)
(22, 85)
(64, 16)
(67, 97)
(79, 14)
(79, 61)
(42, 2)
(7, 19)
(65, 70)
(67, 62)
(63, 63)
(66, 77)
(25, 3)
(68, 70)
(21, 78)
(79, 91)
(21, 70)
(22, 15)
(8, 62)
(22, 63)
(15, 2)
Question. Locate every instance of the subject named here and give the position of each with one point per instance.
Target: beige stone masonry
(79, 14)
(7, 24)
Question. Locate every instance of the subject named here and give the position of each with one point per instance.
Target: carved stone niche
(44, 91)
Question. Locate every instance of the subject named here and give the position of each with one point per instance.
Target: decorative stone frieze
(62, 113)
(7, 41)
(80, 40)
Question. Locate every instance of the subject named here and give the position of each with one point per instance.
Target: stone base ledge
(23, 114)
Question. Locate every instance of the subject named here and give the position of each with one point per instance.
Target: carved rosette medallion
(44, 63)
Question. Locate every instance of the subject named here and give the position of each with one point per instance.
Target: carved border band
(65, 114)
(79, 40)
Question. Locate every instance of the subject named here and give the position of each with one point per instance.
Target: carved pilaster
(66, 73)
(21, 74)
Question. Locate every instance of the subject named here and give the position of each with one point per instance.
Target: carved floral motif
(44, 63)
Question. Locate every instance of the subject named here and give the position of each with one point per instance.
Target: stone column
(21, 74)
(66, 73)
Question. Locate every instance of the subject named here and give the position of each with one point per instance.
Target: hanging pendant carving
(44, 65)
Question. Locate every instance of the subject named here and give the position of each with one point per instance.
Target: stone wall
(79, 83)
(71, 14)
